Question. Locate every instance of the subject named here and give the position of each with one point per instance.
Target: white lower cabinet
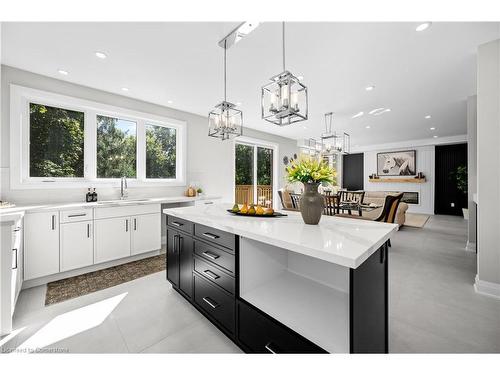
(112, 239)
(77, 248)
(41, 252)
(146, 233)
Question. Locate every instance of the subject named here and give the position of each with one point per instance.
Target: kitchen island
(278, 285)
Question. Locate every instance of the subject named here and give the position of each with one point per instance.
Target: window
(70, 142)
(116, 147)
(56, 139)
(255, 168)
(161, 151)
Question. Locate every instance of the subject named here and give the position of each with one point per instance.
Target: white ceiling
(414, 73)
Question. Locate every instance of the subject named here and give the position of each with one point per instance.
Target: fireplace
(410, 197)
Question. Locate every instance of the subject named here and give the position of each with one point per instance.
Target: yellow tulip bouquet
(308, 169)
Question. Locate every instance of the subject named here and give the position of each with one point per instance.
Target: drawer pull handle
(77, 215)
(210, 255)
(211, 275)
(211, 236)
(177, 224)
(211, 302)
(14, 259)
(269, 349)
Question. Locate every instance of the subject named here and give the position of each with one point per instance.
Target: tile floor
(433, 308)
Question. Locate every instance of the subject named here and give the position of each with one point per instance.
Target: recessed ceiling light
(239, 103)
(124, 88)
(435, 136)
(63, 72)
(427, 117)
(382, 112)
(368, 126)
(423, 26)
(169, 101)
(359, 114)
(376, 110)
(101, 55)
(369, 88)
(300, 78)
(433, 128)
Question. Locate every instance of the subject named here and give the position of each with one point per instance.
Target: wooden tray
(275, 214)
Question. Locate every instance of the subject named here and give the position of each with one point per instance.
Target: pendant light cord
(283, 39)
(225, 52)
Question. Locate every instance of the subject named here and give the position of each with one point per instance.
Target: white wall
(209, 160)
(488, 168)
(472, 170)
(424, 164)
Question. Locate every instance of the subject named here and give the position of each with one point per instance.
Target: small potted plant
(461, 179)
(199, 191)
(311, 172)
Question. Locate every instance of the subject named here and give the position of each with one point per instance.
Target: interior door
(448, 200)
(353, 171)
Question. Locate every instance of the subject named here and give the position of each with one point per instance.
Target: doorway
(448, 200)
(352, 171)
(254, 178)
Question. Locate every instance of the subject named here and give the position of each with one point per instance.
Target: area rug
(416, 220)
(72, 287)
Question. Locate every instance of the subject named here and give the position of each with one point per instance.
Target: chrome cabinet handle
(15, 258)
(53, 222)
(126, 225)
(175, 243)
(269, 349)
(88, 230)
(210, 235)
(210, 255)
(211, 302)
(135, 224)
(77, 215)
(211, 275)
(177, 224)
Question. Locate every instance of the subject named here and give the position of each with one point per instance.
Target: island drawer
(214, 255)
(260, 333)
(216, 236)
(215, 302)
(214, 274)
(180, 224)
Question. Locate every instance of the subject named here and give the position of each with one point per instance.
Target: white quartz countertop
(343, 241)
(8, 214)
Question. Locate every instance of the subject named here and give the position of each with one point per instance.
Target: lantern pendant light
(225, 121)
(284, 99)
(333, 143)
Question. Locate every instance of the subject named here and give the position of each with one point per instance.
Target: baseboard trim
(471, 246)
(487, 288)
(80, 271)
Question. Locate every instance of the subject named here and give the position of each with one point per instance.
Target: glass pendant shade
(284, 100)
(225, 121)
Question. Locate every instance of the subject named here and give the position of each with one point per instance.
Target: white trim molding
(487, 288)
(471, 246)
(20, 97)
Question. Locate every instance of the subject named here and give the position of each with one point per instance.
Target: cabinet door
(146, 233)
(186, 264)
(77, 248)
(112, 239)
(173, 257)
(41, 251)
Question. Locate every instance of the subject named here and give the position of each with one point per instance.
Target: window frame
(21, 96)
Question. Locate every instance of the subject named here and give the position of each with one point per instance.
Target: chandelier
(333, 143)
(225, 121)
(284, 99)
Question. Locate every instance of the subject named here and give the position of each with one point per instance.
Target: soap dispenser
(88, 196)
(94, 196)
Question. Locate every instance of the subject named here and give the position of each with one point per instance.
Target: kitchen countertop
(343, 241)
(13, 213)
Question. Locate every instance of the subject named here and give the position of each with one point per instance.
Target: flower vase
(311, 204)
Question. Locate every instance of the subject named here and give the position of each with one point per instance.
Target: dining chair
(347, 196)
(295, 200)
(330, 204)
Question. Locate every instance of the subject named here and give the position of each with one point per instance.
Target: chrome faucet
(123, 188)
